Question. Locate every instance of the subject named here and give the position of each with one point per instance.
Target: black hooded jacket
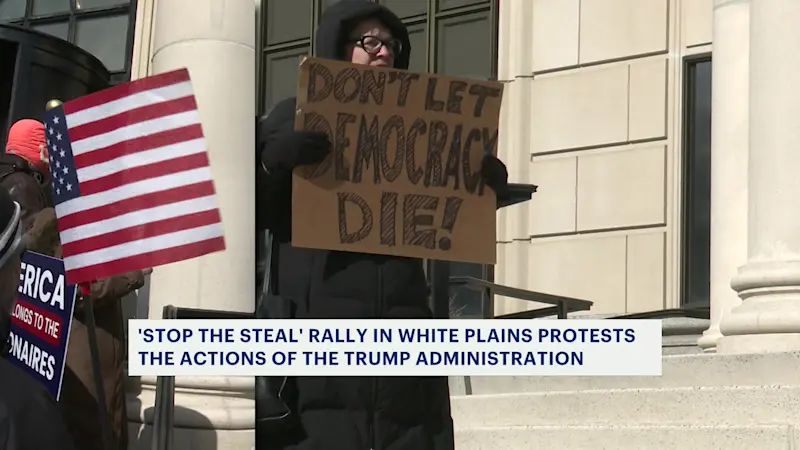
(29, 416)
(348, 413)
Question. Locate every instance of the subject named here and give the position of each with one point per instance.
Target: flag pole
(54, 103)
(84, 290)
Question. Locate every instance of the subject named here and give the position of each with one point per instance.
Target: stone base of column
(210, 413)
(768, 320)
(761, 343)
(708, 342)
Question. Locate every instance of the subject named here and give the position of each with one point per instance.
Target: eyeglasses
(373, 44)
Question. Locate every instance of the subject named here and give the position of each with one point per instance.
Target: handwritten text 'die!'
(41, 284)
(404, 174)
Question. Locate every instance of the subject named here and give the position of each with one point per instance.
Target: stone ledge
(220, 403)
(663, 406)
(140, 438)
(695, 370)
(778, 437)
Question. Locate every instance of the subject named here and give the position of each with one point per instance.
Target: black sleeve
(8, 437)
(36, 424)
(274, 189)
(43, 426)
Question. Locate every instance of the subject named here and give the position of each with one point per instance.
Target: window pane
(89, 4)
(417, 34)
(281, 75)
(698, 188)
(11, 9)
(464, 46)
(59, 30)
(106, 38)
(450, 4)
(407, 8)
(288, 20)
(42, 7)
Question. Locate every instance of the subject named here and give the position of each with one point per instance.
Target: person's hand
(295, 148)
(495, 174)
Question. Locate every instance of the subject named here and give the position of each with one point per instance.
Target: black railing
(192, 313)
(561, 306)
(164, 407)
(688, 311)
(441, 282)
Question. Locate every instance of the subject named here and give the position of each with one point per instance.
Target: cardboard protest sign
(41, 319)
(404, 175)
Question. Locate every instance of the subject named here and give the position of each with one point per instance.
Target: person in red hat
(26, 139)
(24, 172)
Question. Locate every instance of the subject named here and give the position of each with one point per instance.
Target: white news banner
(394, 347)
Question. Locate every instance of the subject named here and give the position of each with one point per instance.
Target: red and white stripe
(147, 195)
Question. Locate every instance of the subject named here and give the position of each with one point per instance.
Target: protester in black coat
(349, 413)
(29, 416)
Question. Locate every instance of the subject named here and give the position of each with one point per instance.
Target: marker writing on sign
(417, 212)
(431, 133)
(446, 150)
(351, 84)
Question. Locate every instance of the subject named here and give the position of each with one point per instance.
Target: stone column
(769, 284)
(215, 41)
(729, 143)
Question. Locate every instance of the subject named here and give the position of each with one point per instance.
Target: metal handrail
(561, 305)
(698, 312)
(164, 407)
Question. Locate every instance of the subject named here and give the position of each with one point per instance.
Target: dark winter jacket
(29, 416)
(25, 190)
(348, 413)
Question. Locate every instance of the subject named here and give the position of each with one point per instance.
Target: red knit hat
(25, 138)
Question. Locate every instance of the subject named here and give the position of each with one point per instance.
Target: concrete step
(699, 370)
(766, 437)
(703, 405)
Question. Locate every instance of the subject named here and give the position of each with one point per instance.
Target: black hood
(339, 19)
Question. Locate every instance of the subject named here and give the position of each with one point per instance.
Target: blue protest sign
(41, 320)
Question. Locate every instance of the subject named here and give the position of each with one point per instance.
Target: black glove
(290, 149)
(495, 174)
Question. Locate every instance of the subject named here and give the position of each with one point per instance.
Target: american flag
(131, 180)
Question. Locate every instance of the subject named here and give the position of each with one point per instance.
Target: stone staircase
(702, 402)
(651, 437)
